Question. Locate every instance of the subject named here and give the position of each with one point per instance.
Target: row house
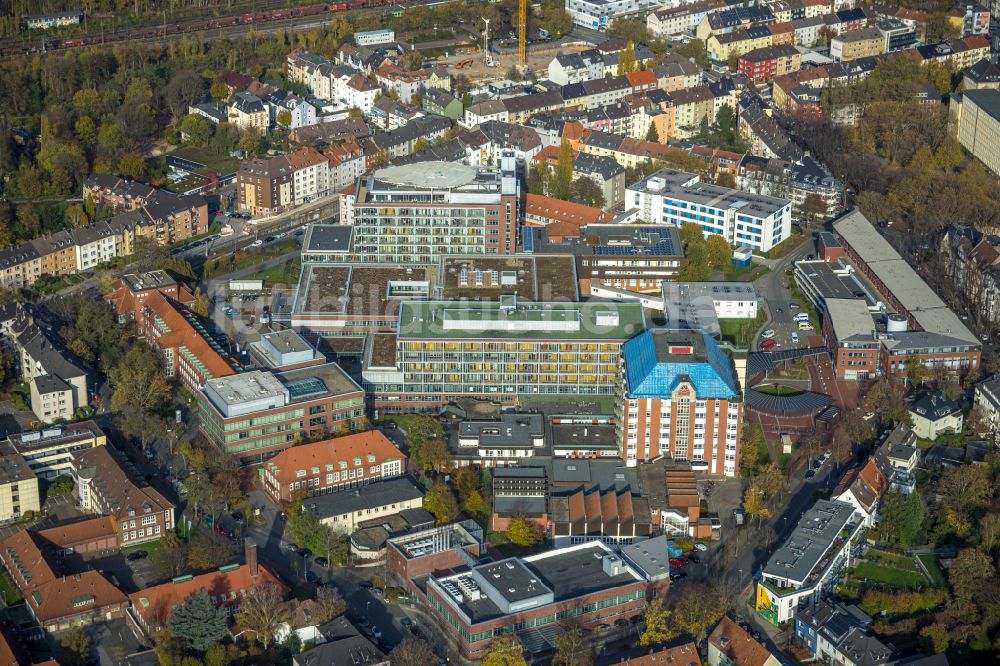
(367, 59)
(520, 109)
(912, 18)
(594, 94)
(676, 73)
(390, 114)
(769, 62)
(481, 112)
(732, 19)
(969, 19)
(57, 383)
(854, 44)
(790, 180)
(505, 138)
(570, 68)
(799, 92)
(680, 19)
(264, 187)
(405, 84)
(120, 194)
(628, 152)
(971, 259)
(763, 134)
(164, 218)
(347, 163)
(401, 142)
(723, 46)
(247, 111)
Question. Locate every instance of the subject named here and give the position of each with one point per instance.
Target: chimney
(251, 556)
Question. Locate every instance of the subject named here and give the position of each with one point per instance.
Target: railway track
(232, 24)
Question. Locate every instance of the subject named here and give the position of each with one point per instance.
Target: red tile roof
(734, 642)
(111, 486)
(569, 215)
(641, 78)
(71, 595)
(331, 451)
(68, 536)
(154, 604)
(183, 334)
(679, 655)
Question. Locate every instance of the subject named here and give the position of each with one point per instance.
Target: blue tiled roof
(649, 376)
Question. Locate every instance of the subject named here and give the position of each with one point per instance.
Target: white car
(801, 316)
(795, 336)
(768, 334)
(257, 243)
(700, 547)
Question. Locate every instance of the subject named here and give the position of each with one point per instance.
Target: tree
(427, 447)
(755, 502)
(474, 504)
(886, 399)
(284, 117)
(329, 605)
(87, 102)
(249, 141)
(587, 190)
(132, 165)
(140, 387)
(262, 609)
(989, 532)
(441, 502)
(184, 89)
(412, 651)
(658, 629)
(690, 234)
(75, 648)
(85, 130)
(170, 560)
(902, 517)
(75, 215)
(693, 49)
(720, 254)
(652, 134)
(572, 647)
(521, 532)
(204, 552)
(626, 60)
(564, 172)
(197, 622)
(938, 28)
(200, 304)
(420, 144)
(699, 608)
(505, 650)
(695, 265)
(219, 90)
(195, 129)
(916, 371)
(814, 206)
(934, 638)
(966, 489)
(969, 572)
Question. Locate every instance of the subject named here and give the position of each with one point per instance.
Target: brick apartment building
(766, 63)
(177, 336)
(104, 487)
(129, 293)
(158, 215)
(332, 465)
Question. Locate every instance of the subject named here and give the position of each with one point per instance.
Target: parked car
(363, 622)
(291, 546)
(677, 575)
(406, 622)
(794, 306)
(376, 633)
(304, 553)
(377, 592)
(810, 474)
(768, 344)
(365, 585)
(817, 463)
(684, 559)
(795, 337)
(312, 577)
(801, 316)
(675, 562)
(136, 555)
(322, 562)
(700, 546)
(768, 334)
(806, 326)
(257, 243)
(270, 239)
(694, 558)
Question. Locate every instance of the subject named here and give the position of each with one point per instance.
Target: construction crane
(486, 37)
(522, 33)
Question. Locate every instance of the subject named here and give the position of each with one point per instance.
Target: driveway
(772, 291)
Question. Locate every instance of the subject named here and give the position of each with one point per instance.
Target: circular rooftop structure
(430, 175)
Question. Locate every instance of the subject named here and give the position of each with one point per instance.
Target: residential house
(443, 103)
(576, 67)
(975, 115)
(864, 486)
(685, 654)
(676, 73)
(984, 74)
(404, 84)
(680, 18)
(50, 450)
(789, 180)
(390, 114)
(344, 512)
(854, 44)
(58, 385)
(731, 644)
(360, 93)
(104, 487)
(482, 112)
(766, 63)
(332, 465)
(247, 111)
(823, 625)
(934, 414)
(342, 645)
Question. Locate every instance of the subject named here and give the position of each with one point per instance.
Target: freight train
(197, 25)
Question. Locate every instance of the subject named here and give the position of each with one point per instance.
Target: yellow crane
(522, 33)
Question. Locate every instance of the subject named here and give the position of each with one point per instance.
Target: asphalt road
(772, 291)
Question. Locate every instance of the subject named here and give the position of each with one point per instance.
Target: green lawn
(889, 576)
(750, 273)
(933, 565)
(11, 595)
(150, 547)
(741, 332)
(250, 257)
(286, 273)
(893, 560)
(777, 389)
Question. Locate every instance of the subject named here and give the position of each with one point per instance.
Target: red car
(683, 559)
(767, 344)
(675, 562)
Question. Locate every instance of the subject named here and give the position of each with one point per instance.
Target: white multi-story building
(599, 14)
(811, 560)
(743, 219)
(360, 93)
(95, 244)
(310, 174)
